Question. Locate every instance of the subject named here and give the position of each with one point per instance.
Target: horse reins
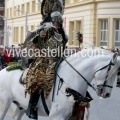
(80, 74)
(104, 85)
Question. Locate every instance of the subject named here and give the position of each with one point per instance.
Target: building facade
(16, 20)
(1, 22)
(97, 20)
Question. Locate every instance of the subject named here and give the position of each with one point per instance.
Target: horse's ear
(114, 59)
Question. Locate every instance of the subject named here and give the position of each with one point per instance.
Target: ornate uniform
(41, 71)
(37, 78)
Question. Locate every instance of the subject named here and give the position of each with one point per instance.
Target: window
(78, 26)
(71, 33)
(33, 6)
(39, 7)
(10, 12)
(103, 32)
(7, 12)
(117, 32)
(15, 12)
(78, 29)
(32, 27)
(16, 34)
(23, 9)
(18, 12)
(64, 23)
(74, 28)
(28, 7)
(22, 34)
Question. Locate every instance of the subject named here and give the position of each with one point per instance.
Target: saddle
(41, 84)
(23, 76)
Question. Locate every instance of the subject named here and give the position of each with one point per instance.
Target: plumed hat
(49, 6)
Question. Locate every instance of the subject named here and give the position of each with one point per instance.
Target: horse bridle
(104, 85)
(109, 68)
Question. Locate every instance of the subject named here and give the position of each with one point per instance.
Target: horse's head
(105, 75)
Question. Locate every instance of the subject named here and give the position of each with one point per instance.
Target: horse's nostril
(108, 95)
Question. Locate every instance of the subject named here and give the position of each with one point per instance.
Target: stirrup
(32, 112)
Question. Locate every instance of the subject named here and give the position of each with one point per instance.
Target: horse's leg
(61, 108)
(6, 104)
(18, 114)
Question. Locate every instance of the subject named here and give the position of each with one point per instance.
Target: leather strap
(44, 103)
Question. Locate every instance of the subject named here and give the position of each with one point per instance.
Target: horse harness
(77, 96)
(109, 68)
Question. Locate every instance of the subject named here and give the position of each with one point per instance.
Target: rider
(47, 7)
(37, 79)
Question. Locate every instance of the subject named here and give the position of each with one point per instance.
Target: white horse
(61, 108)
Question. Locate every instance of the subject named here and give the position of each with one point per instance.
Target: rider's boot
(32, 111)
